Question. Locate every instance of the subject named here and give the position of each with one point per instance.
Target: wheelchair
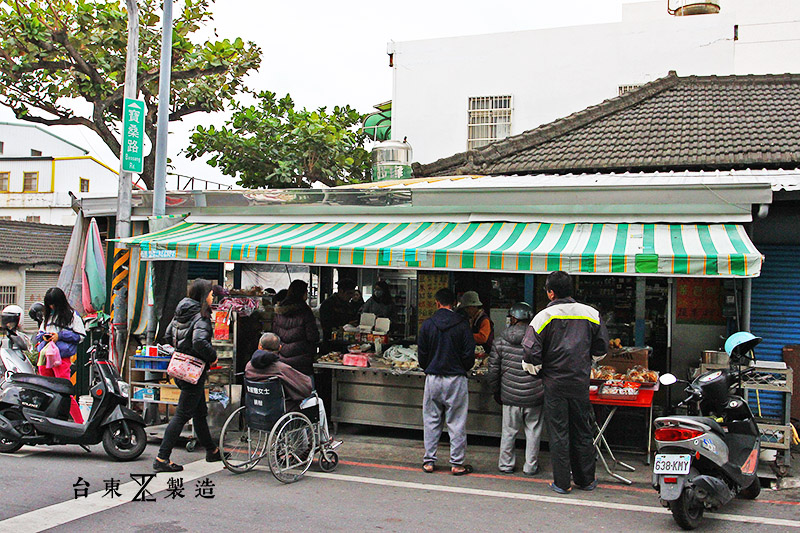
(262, 428)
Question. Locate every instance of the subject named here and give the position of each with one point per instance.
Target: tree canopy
(57, 51)
(271, 144)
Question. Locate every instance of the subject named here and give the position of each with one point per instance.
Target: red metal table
(644, 400)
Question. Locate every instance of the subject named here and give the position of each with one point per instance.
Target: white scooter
(14, 344)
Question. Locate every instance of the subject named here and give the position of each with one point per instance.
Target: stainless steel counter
(381, 396)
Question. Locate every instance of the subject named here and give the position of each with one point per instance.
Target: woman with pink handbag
(190, 332)
(61, 331)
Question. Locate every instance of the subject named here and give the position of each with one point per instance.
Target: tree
(56, 51)
(270, 144)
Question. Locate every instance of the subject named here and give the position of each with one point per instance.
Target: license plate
(672, 464)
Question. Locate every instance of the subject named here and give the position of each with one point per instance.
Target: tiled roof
(31, 243)
(673, 123)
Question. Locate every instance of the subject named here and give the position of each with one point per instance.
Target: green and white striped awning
(648, 249)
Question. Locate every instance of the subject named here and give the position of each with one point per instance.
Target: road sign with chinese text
(133, 136)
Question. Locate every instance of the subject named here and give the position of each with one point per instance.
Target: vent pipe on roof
(684, 8)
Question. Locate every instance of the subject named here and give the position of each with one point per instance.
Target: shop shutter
(775, 315)
(36, 284)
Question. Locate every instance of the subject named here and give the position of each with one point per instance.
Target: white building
(454, 94)
(39, 170)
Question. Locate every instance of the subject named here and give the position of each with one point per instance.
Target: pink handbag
(186, 367)
(52, 355)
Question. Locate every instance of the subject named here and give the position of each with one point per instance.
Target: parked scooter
(13, 345)
(35, 409)
(705, 461)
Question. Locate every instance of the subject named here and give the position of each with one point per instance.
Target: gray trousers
(445, 401)
(514, 418)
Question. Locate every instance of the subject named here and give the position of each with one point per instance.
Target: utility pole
(123, 228)
(164, 75)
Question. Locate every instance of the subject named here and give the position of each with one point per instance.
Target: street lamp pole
(164, 75)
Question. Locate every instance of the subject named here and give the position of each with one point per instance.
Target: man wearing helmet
(520, 393)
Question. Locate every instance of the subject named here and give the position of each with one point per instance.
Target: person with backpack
(190, 332)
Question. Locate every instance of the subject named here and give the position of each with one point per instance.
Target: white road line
(547, 499)
(61, 513)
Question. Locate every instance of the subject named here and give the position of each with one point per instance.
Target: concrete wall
(19, 139)
(554, 72)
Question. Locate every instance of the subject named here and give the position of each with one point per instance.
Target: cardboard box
(626, 358)
(169, 394)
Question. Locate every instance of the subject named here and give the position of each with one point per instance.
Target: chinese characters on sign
(133, 135)
(699, 301)
(204, 488)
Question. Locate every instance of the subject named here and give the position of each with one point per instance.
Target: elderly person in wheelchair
(282, 418)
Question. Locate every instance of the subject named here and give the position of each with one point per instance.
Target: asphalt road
(363, 494)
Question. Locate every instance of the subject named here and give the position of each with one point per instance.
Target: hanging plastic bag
(52, 355)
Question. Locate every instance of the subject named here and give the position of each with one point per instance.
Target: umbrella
(93, 294)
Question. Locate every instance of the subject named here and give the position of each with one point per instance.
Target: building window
(4, 177)
(30, 182)
(1, 147)
(8, 295)
(5, 217)
(628, 88)
(84, 185)
(33, 218)
(36, 153)
(489, 120)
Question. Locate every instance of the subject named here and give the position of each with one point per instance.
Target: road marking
(547, 499)
(61, 513)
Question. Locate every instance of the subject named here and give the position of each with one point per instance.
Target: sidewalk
(371, 445)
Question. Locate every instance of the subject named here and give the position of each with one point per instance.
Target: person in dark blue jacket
(446, 352)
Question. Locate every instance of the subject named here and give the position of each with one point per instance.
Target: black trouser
(570, 434)
(191, 404)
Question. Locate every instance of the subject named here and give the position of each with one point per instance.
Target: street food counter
(387, 395)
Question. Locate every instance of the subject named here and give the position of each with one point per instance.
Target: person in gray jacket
(520, 393)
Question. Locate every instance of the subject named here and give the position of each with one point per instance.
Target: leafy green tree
(55, 52)
(271, 144)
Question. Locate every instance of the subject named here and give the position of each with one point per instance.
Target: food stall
(499, 236)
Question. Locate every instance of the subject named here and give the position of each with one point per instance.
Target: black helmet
(521, 311)
(36, 312)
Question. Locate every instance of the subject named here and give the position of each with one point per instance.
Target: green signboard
(133, 136)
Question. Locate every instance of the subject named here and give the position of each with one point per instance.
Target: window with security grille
(84, 185)
(628, 88)
(4, 178)
(489, 120)
(8, 295)
(33, 218)
(30, 182)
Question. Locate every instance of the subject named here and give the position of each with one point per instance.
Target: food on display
(604, 373)
(642, 375)
(479, 352)
(401, 357)
(332, 357)
(481, 366)
(620, 389)
(615, 344)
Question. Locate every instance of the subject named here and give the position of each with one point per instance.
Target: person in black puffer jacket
(296, 326)
(190, 332)
(520, 393)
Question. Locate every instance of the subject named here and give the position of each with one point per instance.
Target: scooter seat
(59, 385)
(710, 422)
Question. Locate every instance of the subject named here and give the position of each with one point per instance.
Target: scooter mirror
(667, 379)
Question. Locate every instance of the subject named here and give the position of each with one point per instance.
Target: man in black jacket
(446, 352)
(519, 392)
(559, 344)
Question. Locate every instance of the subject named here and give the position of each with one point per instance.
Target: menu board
(699, 301)
(428, 283)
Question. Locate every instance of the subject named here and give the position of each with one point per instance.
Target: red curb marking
(526, 479)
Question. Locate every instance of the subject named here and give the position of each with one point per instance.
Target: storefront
(651, 266)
